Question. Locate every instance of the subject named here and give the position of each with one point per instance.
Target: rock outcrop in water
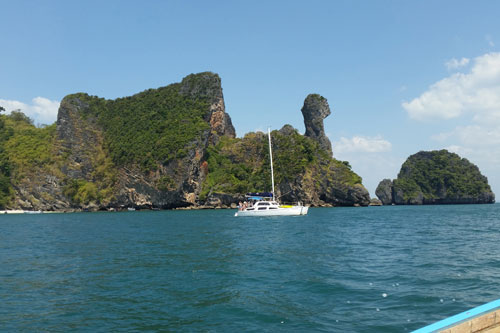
(436, 177)
(171, 147)
(384, 191)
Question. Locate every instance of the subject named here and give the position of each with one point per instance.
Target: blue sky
(400, 76)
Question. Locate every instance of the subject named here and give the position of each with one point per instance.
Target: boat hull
(483, 318)
(288, 211)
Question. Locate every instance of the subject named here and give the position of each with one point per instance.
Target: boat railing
(289, 203)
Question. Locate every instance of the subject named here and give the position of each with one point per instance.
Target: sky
(399, 76)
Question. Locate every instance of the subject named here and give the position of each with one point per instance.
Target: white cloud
(370, 157)
(372, 167)
(476, 92)
(361, 144)
(455, 149)
(472, 100)
(41, 110)
(455, 63)
(489, 40)
(476, 135)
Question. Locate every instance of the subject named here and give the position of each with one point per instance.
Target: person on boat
(240, 206)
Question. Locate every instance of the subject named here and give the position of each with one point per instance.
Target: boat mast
(271, 159)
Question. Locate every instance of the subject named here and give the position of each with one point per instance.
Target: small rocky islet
(171, 147)
(436, 177)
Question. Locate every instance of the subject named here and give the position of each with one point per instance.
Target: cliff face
(170, 179)
(436, 177)
(171, 147)
(384, 192)
(208, 86)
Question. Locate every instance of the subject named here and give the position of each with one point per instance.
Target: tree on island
(5, 190)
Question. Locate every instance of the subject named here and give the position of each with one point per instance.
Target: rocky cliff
(436, 177)
(316, 109)
(169, 147)
(164, 170)
(384, 192)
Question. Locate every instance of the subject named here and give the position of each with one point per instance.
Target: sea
(371, 269)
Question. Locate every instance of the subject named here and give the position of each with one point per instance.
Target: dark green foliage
(440, 174)
(150, 128)
(409, 188)
(238, 166)
(346, 163)
(343, 173)
(24, 150)
(17, 115)
(292, 154)
(81, 192)
(5, 186)
(317, 97)
(5, 190)
(242, 165)
(30, 147)
(166, 183)
(204, 85)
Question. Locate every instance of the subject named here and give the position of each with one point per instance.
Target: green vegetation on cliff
(24, 150)
(241, 165)
(98, 188)
(5, 186)
(83, 192)
(30, 148)
(149, 128)
(238, 165)
(29, 154)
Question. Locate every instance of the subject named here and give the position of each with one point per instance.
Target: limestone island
(436, 177)
(166, 148)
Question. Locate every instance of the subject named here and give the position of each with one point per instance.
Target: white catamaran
(265, 203)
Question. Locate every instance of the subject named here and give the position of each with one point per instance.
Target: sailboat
(266, 204)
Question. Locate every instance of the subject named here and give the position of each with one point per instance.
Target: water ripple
(377, 269)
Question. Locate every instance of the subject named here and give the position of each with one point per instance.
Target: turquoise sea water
(376, 269)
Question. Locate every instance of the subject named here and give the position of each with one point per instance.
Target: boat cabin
(263, 205)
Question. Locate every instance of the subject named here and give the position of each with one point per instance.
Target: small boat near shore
(272, 208)
(265, 204)
(12, 211)
(20, 211)
(32, 212)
